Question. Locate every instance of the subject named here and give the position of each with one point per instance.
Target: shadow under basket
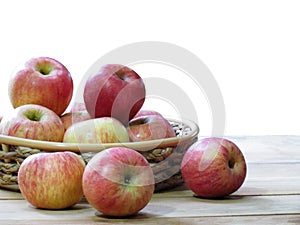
(164, 155)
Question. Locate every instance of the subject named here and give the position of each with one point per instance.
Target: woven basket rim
(49, 146)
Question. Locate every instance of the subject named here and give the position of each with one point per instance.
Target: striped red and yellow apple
(52, 180)
(33, 122)
(43, 81)
(214, 167)
(99, 130)
(118, 182)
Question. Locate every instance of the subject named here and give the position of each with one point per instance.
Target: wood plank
(271, 179)
(273, 148)
(160, 208)
(5, 195)
(226, 220)
(231, 206)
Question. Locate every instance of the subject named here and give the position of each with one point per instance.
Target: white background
(251, 47)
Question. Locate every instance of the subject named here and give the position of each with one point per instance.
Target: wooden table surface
(270, 195)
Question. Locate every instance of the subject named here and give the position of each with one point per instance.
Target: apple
(149, 127)
(213, 167)
(74, 117)
(115, 91)
(99, 130)
(118, 182)
(33, 122)
(42, 81)
(146, 112)
(52, 180)
(78, 107)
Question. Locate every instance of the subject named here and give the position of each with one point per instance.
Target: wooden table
(270, 195)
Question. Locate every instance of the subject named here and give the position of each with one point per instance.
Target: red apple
(33, 122)
(99, 130)
(42, 81)
(115, 91)
(146, 112)
(52, 180)
(149, 127)
(213, 167)
(118, 182)
(74, 117)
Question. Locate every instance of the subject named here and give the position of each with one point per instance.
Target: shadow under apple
(150, 211)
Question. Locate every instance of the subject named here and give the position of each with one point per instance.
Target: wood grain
(160, 208)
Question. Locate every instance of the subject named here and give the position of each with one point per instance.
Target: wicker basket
(164, 155)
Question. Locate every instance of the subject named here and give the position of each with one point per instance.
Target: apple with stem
(33, 122)
(99, 130)
(150, 127)
(42, 81)
(213, 167)
(118, 182)
(114, 91)
(52, 180)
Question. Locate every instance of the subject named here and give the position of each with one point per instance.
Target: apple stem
(231, 163)
(33, 116)
(127, 179)
(44, 69)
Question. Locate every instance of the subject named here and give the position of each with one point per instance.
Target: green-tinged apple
(42, 81)
(118, 182)
(99, 130)
(52, 180)
(114, 91)
(150, 127)
(74, 117)
(147, 112)
(213, 167)
(33, 122)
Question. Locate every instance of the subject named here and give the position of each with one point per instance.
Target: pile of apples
(41, 92)
(117, 181)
